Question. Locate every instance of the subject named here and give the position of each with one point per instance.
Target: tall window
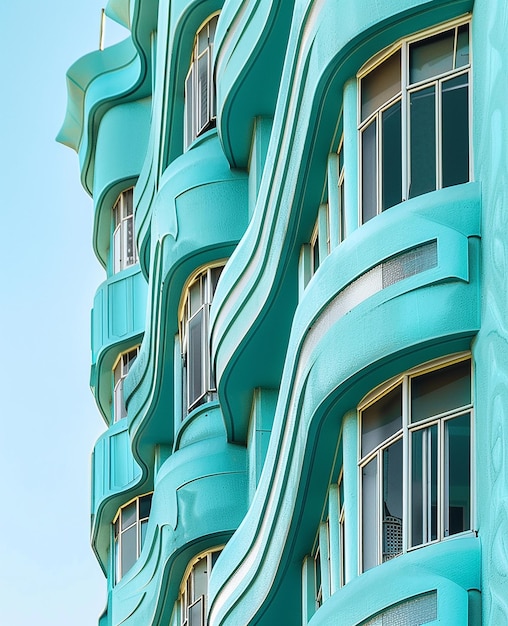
(424, 416)
(342, 530)
(199, 84)
(124, 245)
(414, 120)
(120, 372)
(198, 380)
(340, 180)
(129, 527)
(194, 592)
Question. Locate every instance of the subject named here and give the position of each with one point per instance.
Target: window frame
(119, 533)
(403, 95)
(207, 286)
(123, 364)
(195, 123)
(124, 234)
(405, 434)
(186, 598)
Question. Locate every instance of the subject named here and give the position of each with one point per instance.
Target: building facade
(300, 348)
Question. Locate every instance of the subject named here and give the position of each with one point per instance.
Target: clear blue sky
(48, 419)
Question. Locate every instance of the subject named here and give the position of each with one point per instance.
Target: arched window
(129, 527)
(124, 244)
(120, 371)
(414, 119)
(200, 85)
(198, 380)
(423, 416)
(194, 590)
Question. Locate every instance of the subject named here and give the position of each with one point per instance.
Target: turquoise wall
(293, 355)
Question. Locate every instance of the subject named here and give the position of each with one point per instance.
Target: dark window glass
(145, 504)
(431, 57)
(455, 110)
(462, 54)
(196, 613)
(392, 156)
(424, 482)
(392, 500)
(457, 437)
(440, 391)
(128, 515)
(423, 141)
(369, 172)
(195, 356)
(380, 85)
(129, 548)
(369, 515)
(381, 420)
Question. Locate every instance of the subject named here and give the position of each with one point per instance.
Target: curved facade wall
(248, 405)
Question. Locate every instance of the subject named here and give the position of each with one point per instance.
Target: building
(300, 348)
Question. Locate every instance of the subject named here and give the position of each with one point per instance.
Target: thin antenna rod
(103, 29)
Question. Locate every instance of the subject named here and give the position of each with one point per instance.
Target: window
(199, 84)
(424, 416)
(342, 531)
(320, 239)
(314, 249)
(120, 372)
(124, 246)
(340, 180)
(198, 380)
(129, 533)
(414, 120)
(194, 591)
(318, 582)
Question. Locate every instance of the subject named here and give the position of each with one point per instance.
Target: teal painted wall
(293, 355)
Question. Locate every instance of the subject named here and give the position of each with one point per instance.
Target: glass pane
(440, 391)
(458, 483)
(127, 202)
(120, 410)
(212, 27)
(117, 250)
(145, 504)
(424, 481)
(391, 150)
(144, 526)
(200, 573)
(422, 141)
(392, 500)
(369, 172)
(455, 112)
(195, 357)
(215, 556)
(318, 582)
(462, 57)
(128, 515)
(203, 114)
(129, 549)
(431, 57)
(195, 298)
(380, 85)
(215, 275)
(129, 241)
(196, 613)
(369, 515)
(315, 254)
(203, 39)
(189, 107)
(381, 420)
